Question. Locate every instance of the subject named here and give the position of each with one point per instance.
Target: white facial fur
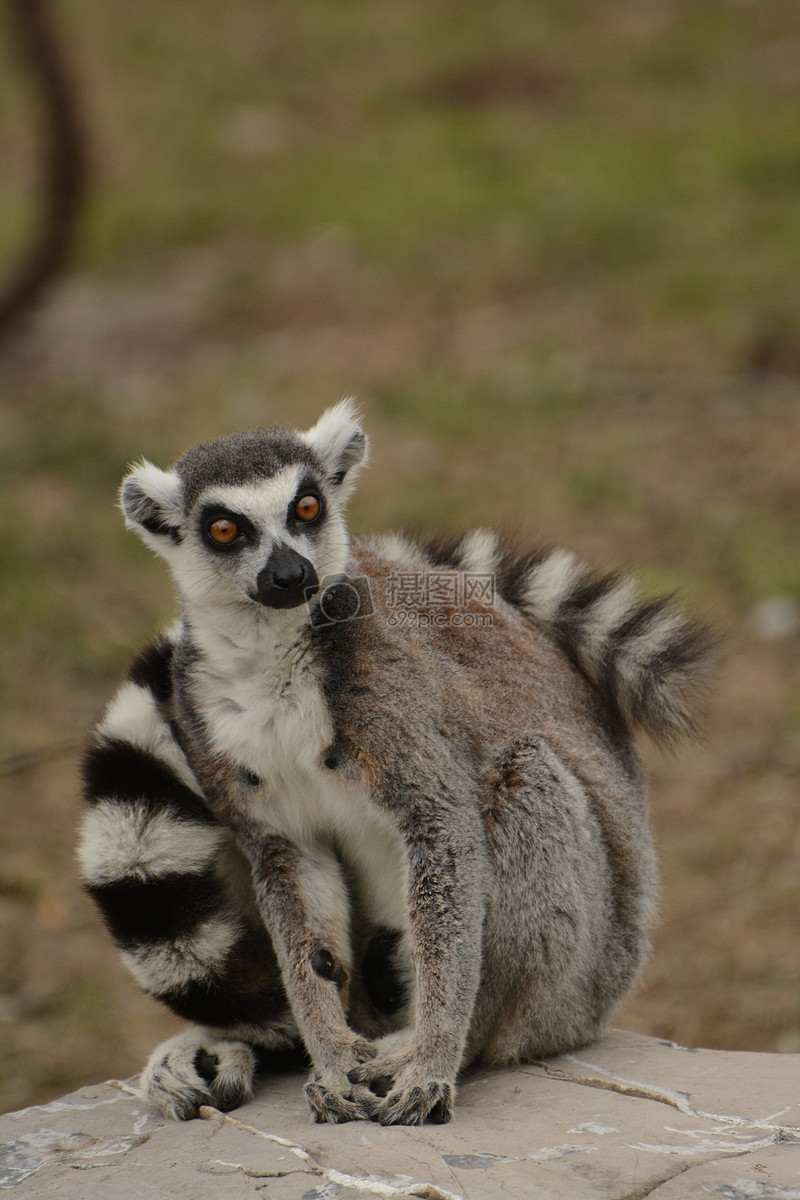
(212, 580)
(208, 578)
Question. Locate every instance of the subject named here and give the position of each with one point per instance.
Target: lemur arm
(303, 898)
(447, 893)
(175, 893)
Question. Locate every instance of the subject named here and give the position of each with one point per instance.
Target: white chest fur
(267, 713)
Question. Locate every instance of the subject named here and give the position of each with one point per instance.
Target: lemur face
(252, 519)
(265, 539)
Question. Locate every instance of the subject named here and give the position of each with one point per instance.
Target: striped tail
(175, 895)
(648, 656)
(165, 875)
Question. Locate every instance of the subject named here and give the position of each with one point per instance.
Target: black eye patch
(307, 510)
(223, 530)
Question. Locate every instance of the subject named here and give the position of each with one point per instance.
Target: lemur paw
(416, 1103)
(405, 1093)
(196, 1068)
(334, 1105)
(331, 1097)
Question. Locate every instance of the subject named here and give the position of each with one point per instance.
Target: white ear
(152, 502)
(339, 441)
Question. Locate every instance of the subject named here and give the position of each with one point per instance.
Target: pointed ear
(152, 501)
(339, 441)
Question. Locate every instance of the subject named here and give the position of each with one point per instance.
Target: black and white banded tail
(649, 656)
(164, 873)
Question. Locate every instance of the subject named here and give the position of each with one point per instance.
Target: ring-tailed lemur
(376, 801)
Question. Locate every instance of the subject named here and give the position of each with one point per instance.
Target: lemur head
(252, 520)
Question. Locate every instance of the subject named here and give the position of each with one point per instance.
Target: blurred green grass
(649, 153)
(556, 250)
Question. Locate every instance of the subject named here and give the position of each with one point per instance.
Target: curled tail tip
(660, 684)
(651, 658)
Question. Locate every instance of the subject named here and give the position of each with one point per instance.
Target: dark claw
(229, 1095)
(329, 1108)
(441, 1113)
(206, 1065)
(434, 1103)
(325, 1107)
(363, 1077)
(189, 1107)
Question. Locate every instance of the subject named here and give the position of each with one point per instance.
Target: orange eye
(307, 508)
(223, 531)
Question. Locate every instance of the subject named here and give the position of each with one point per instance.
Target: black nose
(287, 580)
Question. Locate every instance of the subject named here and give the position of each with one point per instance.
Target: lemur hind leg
(566, 928)
(216, 1067)
(177, 896)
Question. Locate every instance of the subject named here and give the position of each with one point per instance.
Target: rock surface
(628, 1118)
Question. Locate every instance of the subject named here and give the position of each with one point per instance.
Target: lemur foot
(195, 1068)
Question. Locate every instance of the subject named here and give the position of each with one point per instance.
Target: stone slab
(628, 1118)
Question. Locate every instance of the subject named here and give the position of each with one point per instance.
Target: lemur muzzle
(286, 580)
